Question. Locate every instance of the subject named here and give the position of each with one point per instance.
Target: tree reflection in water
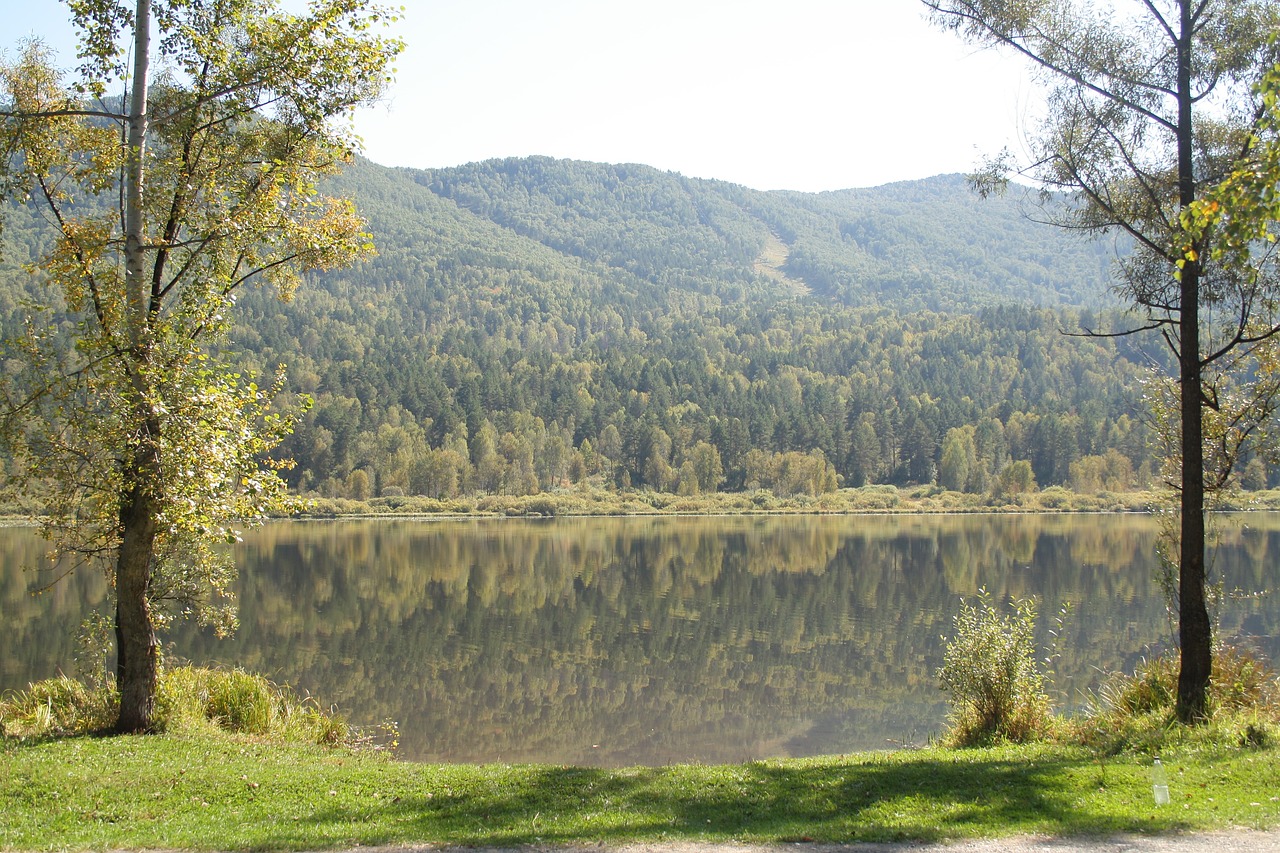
(656, 640)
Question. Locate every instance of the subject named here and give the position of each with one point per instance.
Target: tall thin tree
(1149, 104)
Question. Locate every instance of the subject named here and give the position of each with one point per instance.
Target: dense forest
(529, 324)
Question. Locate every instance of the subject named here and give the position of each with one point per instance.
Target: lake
(613, 642)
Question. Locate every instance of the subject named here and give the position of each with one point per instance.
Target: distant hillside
(928, 244)
(530, 324)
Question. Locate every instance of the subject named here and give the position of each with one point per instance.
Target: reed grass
(189, 699)
(1133, 714)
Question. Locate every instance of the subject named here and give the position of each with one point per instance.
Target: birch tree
(177, 165)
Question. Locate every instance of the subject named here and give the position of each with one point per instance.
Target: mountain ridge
(857, 246)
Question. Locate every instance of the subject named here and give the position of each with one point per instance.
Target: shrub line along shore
(868, 500)
(594, 502)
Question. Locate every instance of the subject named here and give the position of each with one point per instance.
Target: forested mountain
(928, 244)
(531, 323)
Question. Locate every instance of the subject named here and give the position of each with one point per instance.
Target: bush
(989, 670)
(1241, 681)
(1056, 497)
(876, 497)
(240, 702)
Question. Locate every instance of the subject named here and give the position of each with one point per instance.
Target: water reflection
(623, 641)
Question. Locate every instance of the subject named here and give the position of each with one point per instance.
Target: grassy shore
(204, 791)
(246, 765)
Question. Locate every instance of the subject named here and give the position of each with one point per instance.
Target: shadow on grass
(901, 798)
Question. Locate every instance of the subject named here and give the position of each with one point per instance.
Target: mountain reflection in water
(657, 640)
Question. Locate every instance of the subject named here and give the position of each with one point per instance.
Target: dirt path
(1204, 842)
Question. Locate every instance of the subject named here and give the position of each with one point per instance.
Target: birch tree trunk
(137, 666)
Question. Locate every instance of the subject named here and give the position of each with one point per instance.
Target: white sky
(774, 94)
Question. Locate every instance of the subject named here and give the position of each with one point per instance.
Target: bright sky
(786, 94)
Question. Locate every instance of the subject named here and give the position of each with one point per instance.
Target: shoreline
(597, 502)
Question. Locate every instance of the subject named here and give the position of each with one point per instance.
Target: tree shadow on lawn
(900, 798)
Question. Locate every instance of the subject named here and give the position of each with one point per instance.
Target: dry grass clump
(188, 697)
(1135, 713)
(57, 707)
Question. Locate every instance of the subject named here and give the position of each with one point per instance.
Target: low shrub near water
(991, 674)
(55, 707)
(188, 697)
(592, 498)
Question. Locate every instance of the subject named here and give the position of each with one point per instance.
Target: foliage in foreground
(189, 699)
(1135, 713)
(1136, 128)
(233, 770)
(123, 410)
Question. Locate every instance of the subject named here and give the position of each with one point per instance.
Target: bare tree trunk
(1193, 617)
(137, 666)
(1194, 635)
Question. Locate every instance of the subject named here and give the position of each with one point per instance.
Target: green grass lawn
(220, 792)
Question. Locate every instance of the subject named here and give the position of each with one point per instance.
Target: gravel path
(1205, 842)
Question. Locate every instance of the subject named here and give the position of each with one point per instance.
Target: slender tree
(130, 422)
(1149, 106)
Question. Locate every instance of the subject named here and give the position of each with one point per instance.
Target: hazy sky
(786, 94)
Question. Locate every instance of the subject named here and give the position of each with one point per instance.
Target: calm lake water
(651, 641)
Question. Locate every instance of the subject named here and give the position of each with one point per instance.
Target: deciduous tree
(170, 188)
(1149, 106)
